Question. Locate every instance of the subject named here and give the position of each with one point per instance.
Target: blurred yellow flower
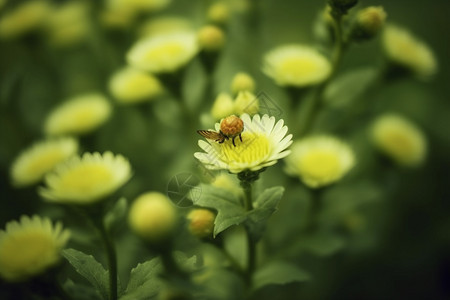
(211, 38)
(153, 217)
(242, 82)
(201, 222)
(399, 139)
(34, 162)
(296, 65)
(139, 5)
(320, 160)
(219, 12)
(223, 106)
(227, 182)
(165, 25)
(163, 53)
(29, 247)
(23, 19)
(117, 17)
(263, 143)
(86, 179)
(129, 85)
(371, 19)
(246, 103)
(79, 115)
(402, 48)
(68, 24)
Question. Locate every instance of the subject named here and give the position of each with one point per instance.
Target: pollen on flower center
(254, 147)
(83, 177)
(320, 164)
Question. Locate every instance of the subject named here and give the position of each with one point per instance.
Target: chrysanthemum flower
(29, 247)
(246, 102)
(86, 179)
(25, 18)
(263, 143)
(296, 65)
(242, 82)
(130, 85)
(139, 5)
(223, 106)
(165, 25)
(33, 163)
(78, 115)
(403, 48)
(320, 160)
(163, 53)
(399, 139)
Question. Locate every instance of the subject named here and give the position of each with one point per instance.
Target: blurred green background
(402, 248)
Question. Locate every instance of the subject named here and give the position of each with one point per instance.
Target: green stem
(112, 258)
(251, 244)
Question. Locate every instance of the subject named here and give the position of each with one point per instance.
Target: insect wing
(211, 135)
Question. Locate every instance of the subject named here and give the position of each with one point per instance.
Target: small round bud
(242, 82)
(223, 106)
(246, 102)
(342, 6)
(219, 13)
(369, 22)
(153, 217)
(211, 38)
(201, 222)
(231, 126)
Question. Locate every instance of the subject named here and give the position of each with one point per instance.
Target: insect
(230, 127)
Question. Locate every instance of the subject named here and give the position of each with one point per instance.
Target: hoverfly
(230, 127)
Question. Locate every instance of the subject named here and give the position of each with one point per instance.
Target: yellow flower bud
(242, 82)
(211, 38)
(246, 102)
(369, 22)
(219, 13)
(201, 222)
(153, 217)
(223, 106)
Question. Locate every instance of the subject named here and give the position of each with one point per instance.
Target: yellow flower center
(45, 161)
(320, 164)
(22, 252)
(253, 148)
(298, 67)
(167, 50)
(87, 178)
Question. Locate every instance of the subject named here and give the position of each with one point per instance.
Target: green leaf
(264, 206)
(116, 214)
(144, 282)
(349, 86)
(229, 210)
(88, 267)
(324, 244)
(278, 272)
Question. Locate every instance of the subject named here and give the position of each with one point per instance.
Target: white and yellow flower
(165, 25)
(129, 85)
(402, 48)
(27, 17)
(163, 53)
(296, 65)
(86, 179)
(399, 139)
(78, 115)
(263, 143)
(320, 160)
(30, 247)
(33, 163)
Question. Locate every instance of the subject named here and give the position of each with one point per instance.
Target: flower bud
(211, 38)
(246, 102)
(242, 82)
(223, 106)
(369, 22)
(153, 217)
(219, 13)
(201, 222)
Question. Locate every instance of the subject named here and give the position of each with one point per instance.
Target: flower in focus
(246, 103)
(296, 65)
(86, 179)
(68, 24)
(263, 143)
(242, 82)
(402, 48)
(320, 160)
(201, 222)
(29, 247)
(163, 53)
(399, 139)
(78, 115)
(153, 217)
(25, 18)
(130, 85)
(165, 25)
(223, 106)
(33, 163)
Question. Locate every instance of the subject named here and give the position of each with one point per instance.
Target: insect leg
(240, 137)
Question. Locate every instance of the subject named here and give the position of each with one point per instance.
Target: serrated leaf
(116, 214)
(264, 206)
(229, 211)
(88, 267)
(349, 86)
(144, 282)
(80, 291)
(278, 272)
